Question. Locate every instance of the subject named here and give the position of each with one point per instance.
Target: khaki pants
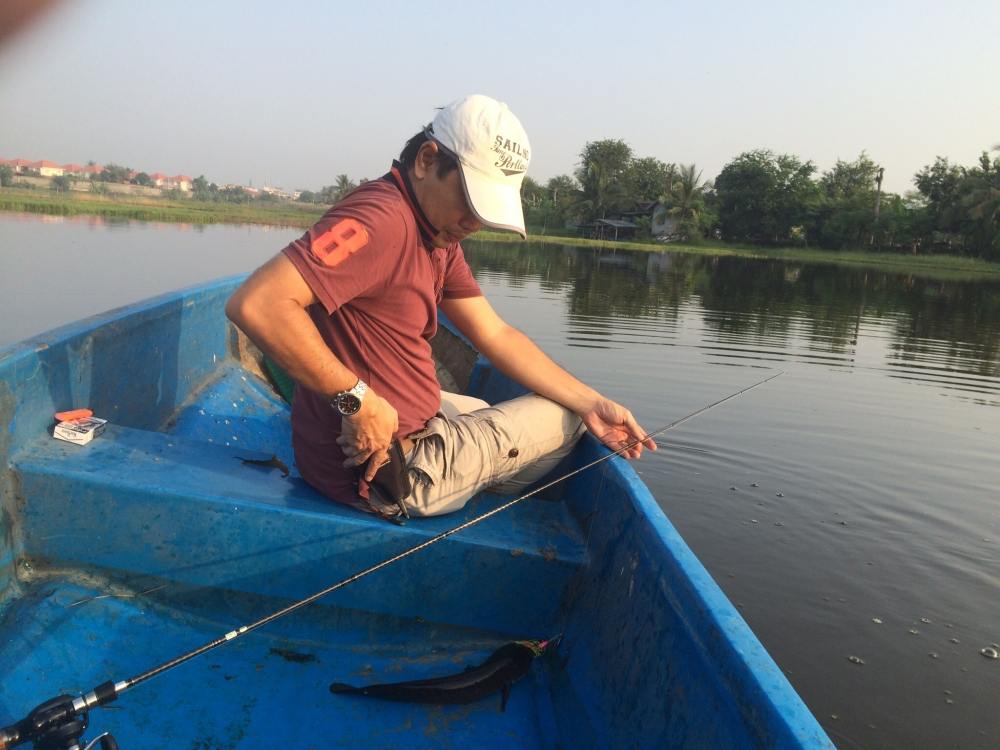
(470, 446)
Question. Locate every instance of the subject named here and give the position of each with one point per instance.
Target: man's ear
(426, 159)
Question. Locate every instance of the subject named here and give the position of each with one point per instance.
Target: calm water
(850, 508)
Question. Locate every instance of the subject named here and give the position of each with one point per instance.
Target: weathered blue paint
(179, 541)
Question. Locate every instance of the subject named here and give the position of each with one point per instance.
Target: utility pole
(878, 199)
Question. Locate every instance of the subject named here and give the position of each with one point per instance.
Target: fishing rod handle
(57, 713)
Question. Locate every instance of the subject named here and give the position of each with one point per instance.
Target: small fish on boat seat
(502, 668)
(273, 463)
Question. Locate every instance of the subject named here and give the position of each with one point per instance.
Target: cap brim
(494, 203)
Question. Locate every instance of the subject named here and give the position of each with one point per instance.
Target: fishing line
(27, 730)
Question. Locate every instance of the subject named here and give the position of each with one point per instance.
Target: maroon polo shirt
(379, 280)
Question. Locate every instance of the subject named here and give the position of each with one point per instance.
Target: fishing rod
(59, 723)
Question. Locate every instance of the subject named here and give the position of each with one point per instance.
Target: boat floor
(66, 633)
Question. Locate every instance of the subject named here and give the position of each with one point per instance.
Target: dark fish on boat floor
(272, 463)
(502, 668)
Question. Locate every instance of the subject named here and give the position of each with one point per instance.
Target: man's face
(443, 199)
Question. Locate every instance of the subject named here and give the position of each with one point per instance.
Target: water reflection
(738, 310)
(841, 507)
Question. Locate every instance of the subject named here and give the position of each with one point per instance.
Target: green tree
(762, 196)
(685, 201)
(337, 191)
(203, 190)
(142, 179)
(532, 194)
(6, 175)
(61, 183)
(980, 198)
(648, 178)
(845, 216)
(903, 222)
(343, 186)
(562, 196)
(114, 173)
(938, 183)
(603, 165)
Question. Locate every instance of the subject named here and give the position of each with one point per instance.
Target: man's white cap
(493, 153)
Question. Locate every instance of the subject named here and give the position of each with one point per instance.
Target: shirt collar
(399, 177)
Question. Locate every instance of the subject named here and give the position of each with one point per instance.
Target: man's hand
(614, 425)
(367, 435)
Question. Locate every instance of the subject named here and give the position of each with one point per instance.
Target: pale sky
(292, 94)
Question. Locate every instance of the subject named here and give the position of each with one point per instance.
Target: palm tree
(671, 175)
(687, 193)
(684, 198)
(342, 187)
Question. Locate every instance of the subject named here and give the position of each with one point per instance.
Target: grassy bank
(945, 267)
(185, 211)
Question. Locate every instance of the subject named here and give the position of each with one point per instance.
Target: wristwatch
(349, 402)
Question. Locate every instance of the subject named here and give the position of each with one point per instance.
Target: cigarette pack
(79, 431)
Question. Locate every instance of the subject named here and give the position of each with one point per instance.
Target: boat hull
(157, 537)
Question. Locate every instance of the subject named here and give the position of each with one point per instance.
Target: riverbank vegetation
(172, 209)
(765, 199)
(761, 205)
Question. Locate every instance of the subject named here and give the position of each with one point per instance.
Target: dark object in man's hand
(392, 480)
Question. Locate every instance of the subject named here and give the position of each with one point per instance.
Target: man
(349, 309)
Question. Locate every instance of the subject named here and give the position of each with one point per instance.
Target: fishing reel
(55, 724)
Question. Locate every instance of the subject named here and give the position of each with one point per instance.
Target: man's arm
(519, 358)
(270, 307)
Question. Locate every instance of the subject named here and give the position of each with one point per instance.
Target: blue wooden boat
(157, 537)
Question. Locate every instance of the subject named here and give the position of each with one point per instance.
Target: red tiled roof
(182, 178)
(159, 176)
(72, 168)
(43, 163)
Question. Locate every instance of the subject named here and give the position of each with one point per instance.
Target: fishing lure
(502, 668)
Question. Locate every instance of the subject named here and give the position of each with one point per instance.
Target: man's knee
(453, 404)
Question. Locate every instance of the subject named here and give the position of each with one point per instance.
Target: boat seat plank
(162, 504)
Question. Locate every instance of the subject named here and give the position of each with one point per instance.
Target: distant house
(159, 179)
(643, 209)
(609, 229)
(661, 225)
(624, 225)
(18, 165)
(74, 170)
(92, 170)
(46, 168)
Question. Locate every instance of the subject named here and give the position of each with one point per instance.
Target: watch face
(348, 403)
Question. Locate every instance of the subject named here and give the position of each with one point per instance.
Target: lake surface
(849, 508)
